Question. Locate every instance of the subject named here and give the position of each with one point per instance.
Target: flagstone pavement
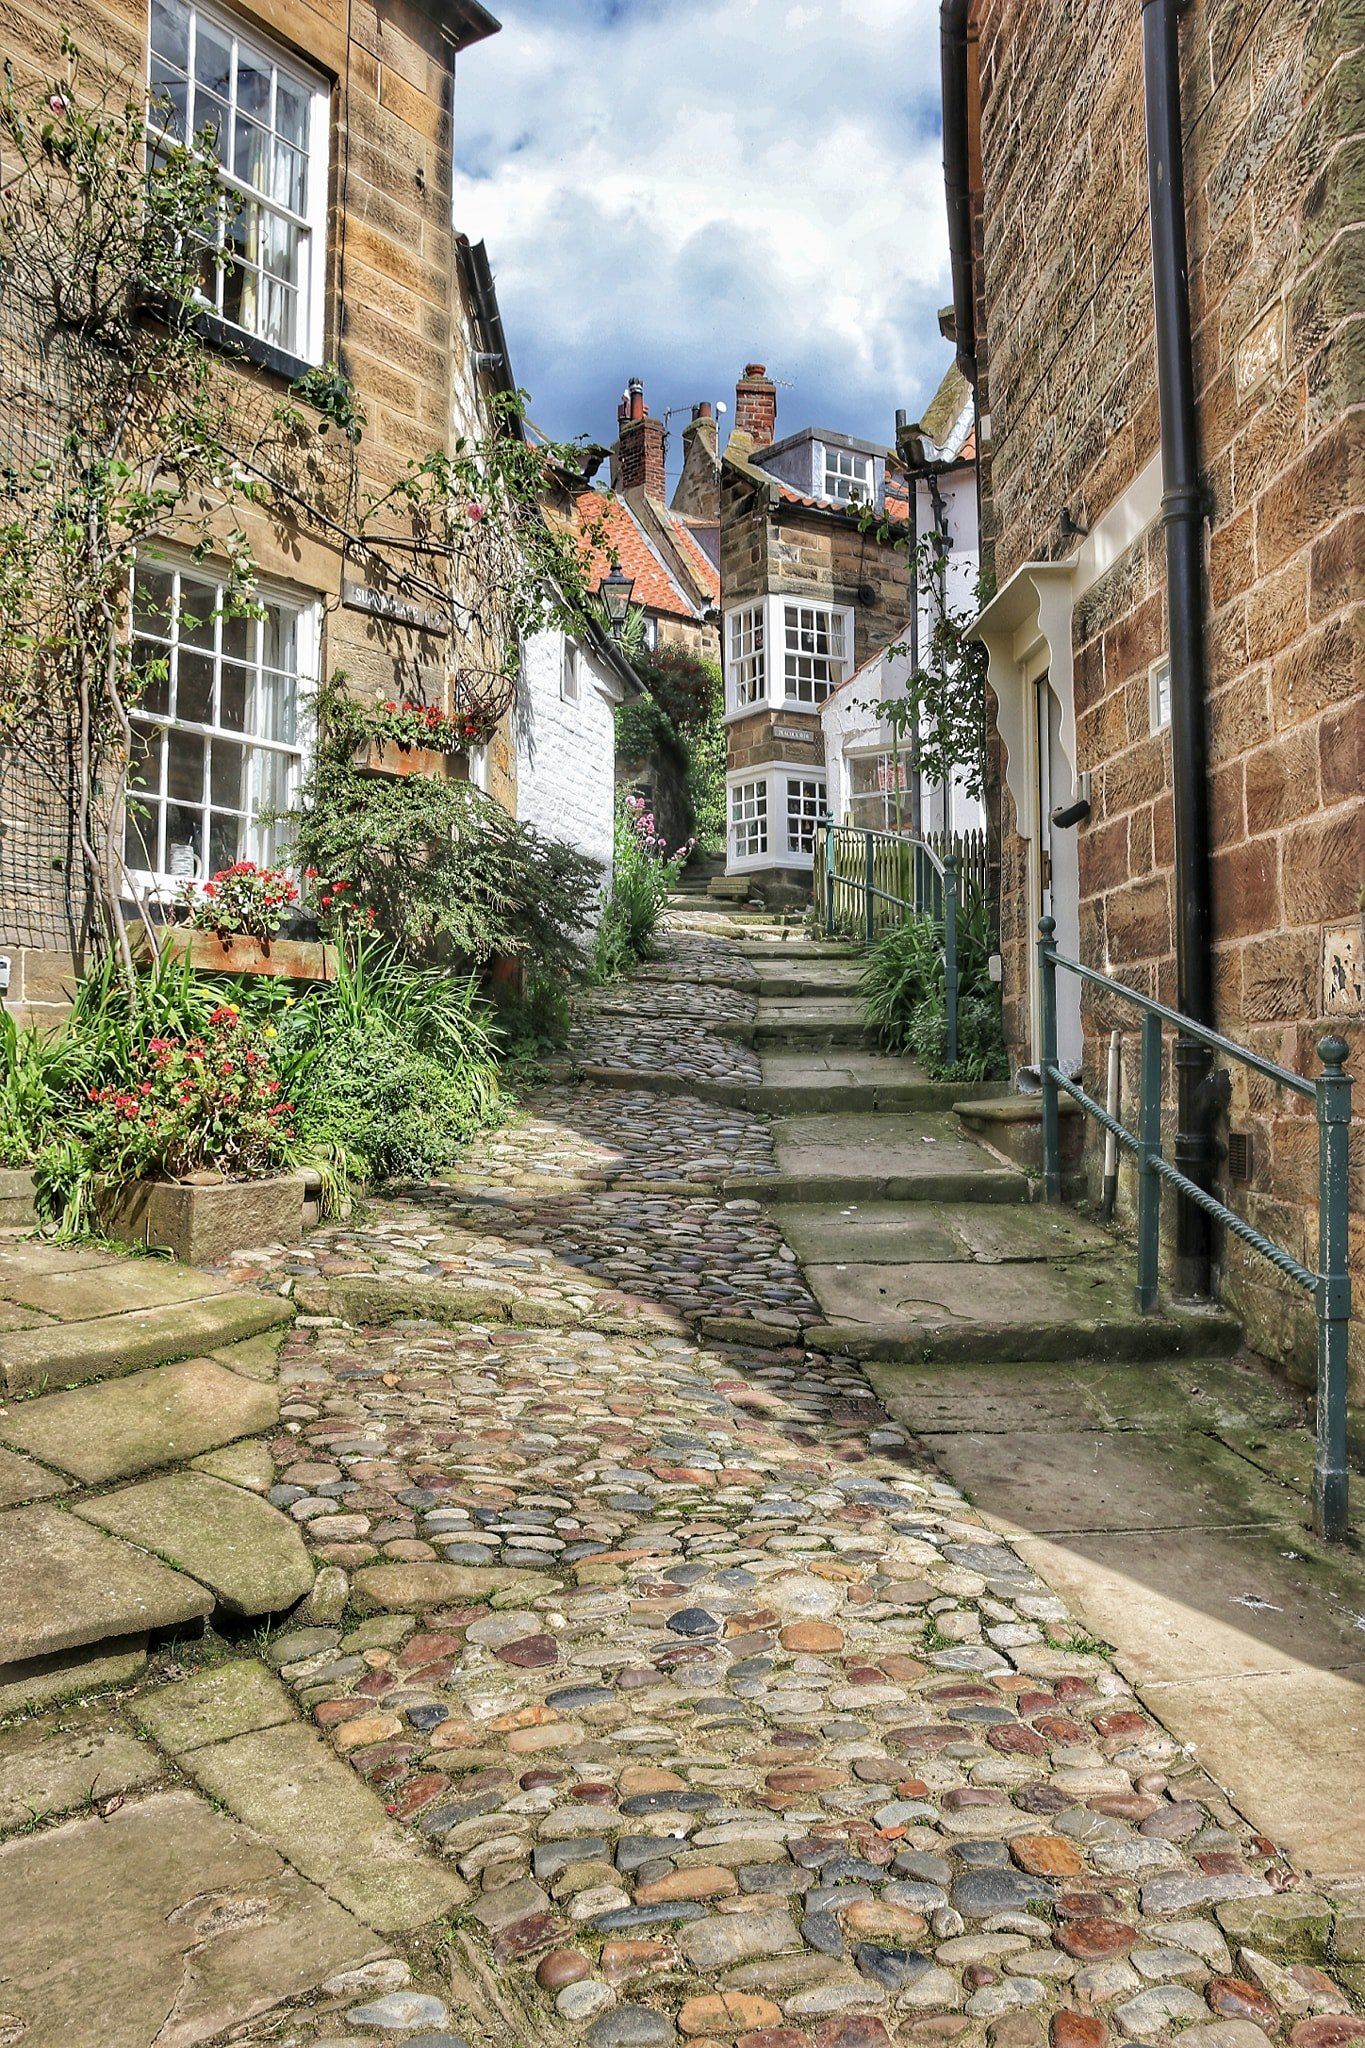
(716, 1713)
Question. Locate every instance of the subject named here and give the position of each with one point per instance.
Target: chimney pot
(702, 411)
(756, 405)
(638, 459)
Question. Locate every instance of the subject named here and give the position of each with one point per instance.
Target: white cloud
(673, 187)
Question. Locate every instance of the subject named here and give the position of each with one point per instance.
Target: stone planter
(289, 959)
(200, 1224)
(17, 1198)
(387, 757)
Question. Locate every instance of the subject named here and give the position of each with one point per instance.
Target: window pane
(233, 698)
(212, 58)
(184, 843)
(144, 759)
(153, 601)
(185, 765)
(253, 86)
(290, 183)
(140, 821)
(169, 96)
(239, 638)
(251, 153)
(151, 675)
(291, 112)
(194, 688)
(225, 841)
(198, 603)
(211, 124)
(227, 775)
(171, 32)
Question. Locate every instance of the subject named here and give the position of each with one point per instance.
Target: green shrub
(905, 996)
(447, 875)
(643, 872)
(392, 1068)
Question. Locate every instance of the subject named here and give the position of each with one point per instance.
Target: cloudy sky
(671, 188)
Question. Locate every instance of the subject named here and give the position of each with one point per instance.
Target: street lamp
(616, 589)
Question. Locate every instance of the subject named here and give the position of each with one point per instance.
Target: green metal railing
(866, 882)
(1329, 1286)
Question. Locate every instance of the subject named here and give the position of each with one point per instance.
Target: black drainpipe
(957, 178)
(1183, 514)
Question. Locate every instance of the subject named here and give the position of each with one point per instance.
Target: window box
(207, 953)
(392, 758)
(199, 1222)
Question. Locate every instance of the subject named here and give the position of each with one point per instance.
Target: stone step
(52, 1354)
(251, 1557)
(853, 1079)
(1120, 1338)
(786, 982)
(66, 1586)
(849, 1156)
(812, 1023)
(123, 1427)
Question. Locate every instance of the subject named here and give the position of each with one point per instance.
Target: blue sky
(672, 188)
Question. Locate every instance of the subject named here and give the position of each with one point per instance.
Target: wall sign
(401, 611)
(794, 732)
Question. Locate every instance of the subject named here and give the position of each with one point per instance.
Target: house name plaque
(401, 611)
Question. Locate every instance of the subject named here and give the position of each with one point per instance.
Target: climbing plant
(940, 717)
(116, 429)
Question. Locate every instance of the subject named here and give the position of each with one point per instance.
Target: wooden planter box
(289, 959)
(387, 757)
(200, 1224)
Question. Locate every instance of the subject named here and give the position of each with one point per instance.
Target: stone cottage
(809, 590)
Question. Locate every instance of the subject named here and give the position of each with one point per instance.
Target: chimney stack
(638, 457)
(756, 406)
(698, 491)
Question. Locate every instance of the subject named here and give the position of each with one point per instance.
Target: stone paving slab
(250, 1556)
(60, 1355)
(1255, 1730)
(21, 1479)
(286, 1784)
(881, 1233)
(163, 1924)
(64, 1585)
(62, 1763)
(105, 1286)
(963, 1294)
(890, 1156)
(213, 1705)
(71, 1675)
(149, 1419)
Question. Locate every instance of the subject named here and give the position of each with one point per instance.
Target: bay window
(746, 674)
(263, 118)
(218, 730)
(773, 813)
(817, 650)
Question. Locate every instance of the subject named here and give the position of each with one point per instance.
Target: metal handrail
(1329, 1286)
(933, 892)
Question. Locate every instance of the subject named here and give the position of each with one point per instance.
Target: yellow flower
(270, 1032)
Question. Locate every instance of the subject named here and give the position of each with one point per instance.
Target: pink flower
(474, 511)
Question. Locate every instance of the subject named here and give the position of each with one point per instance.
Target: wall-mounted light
(616, 593)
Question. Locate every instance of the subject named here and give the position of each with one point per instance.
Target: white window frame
(775, 779)
(847, 475)
(311, 223)
(748, 803)
(570, 673)
(746, 658)
(811, 792)
(784, 608)
(158, 882)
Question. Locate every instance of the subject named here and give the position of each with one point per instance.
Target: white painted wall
(849, 723)
(566, 745)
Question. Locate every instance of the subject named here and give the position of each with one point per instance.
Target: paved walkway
(662, 1687)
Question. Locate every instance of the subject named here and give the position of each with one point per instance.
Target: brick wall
(1273, 112)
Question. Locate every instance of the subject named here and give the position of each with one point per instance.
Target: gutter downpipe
(957, 182)
(1183, 515)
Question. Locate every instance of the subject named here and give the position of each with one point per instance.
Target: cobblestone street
(738, 1723)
